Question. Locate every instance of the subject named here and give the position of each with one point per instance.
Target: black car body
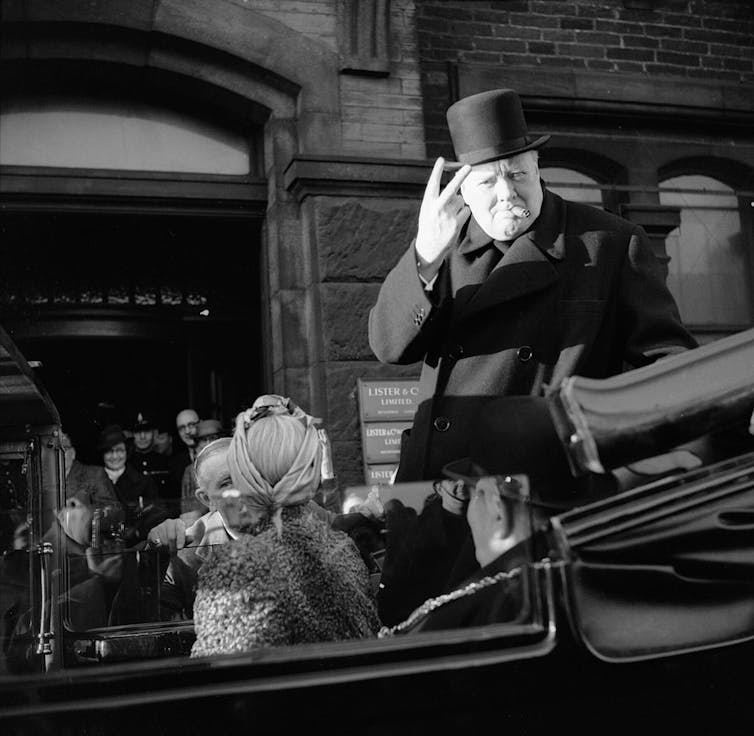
(634, 612)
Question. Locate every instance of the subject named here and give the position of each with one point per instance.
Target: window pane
(109, 586)
(708, 269)
(586, 191)
(130, 135)
(17, 643)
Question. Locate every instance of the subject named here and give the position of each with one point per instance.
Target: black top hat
(489, 126)
(109, 437)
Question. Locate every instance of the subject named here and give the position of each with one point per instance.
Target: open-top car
(632, 610)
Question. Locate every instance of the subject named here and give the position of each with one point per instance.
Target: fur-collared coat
(581, 293)
(308, 585)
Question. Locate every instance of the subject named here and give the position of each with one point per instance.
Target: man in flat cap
(508, 289)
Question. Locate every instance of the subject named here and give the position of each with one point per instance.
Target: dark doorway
(95, 382)
(130, 312)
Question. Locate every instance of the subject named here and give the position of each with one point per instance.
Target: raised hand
(441, 217)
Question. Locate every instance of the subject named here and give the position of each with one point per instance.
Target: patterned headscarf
(298, 483)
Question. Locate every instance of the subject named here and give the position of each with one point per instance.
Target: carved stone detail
(363, 35)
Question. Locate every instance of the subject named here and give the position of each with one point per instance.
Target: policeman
(143, 455)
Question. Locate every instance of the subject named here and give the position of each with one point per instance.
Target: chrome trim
(44, 637)
(581, 445)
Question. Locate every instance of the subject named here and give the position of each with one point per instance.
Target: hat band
(493, 151)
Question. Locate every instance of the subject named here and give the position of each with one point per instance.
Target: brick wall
(696, 39)
(382, 116)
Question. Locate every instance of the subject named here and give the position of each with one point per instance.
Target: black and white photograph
(376, 367)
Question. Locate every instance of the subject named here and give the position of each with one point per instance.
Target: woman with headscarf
(288, 578)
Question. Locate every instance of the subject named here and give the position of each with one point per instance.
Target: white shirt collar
(113, 475)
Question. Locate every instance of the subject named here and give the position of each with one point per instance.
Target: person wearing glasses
(184, 452)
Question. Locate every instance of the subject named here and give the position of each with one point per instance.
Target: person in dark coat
(508, 289)
(136, 493)
(143, 456)
(87, 483)
(430, 553)
(184, 452)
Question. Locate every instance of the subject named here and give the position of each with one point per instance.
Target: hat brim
(464, 469)
(473, 159)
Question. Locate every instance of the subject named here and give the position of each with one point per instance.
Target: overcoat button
(525, 353)
(442, 424)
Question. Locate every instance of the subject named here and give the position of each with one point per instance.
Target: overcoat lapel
(523, 270)
(527, 266)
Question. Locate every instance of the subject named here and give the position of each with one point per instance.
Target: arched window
(128, 135)
(709, 269)
(572, 185)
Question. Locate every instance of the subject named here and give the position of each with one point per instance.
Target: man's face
(498, 192)
(214, 478)
(186, 423)
(144, 438)
(115, 457)
(216, 490)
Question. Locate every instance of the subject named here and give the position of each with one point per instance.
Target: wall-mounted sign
(388, 399)
(382, 441)
(377, 474)
(386, 407)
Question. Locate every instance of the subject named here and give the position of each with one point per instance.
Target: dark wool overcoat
(580, 293)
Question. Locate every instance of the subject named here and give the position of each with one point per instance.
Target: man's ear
(203, 496)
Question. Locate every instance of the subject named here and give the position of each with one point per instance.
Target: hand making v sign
(441, 217)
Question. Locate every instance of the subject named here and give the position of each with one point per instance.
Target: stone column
(358, 219)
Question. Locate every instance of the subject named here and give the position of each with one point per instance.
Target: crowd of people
(506, 290)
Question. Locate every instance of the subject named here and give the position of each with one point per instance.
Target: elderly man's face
(499, 192)
(186, 423)
(216, 491)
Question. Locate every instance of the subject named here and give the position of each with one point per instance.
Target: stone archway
(289, 80)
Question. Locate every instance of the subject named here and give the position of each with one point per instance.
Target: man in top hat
(507, 288)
